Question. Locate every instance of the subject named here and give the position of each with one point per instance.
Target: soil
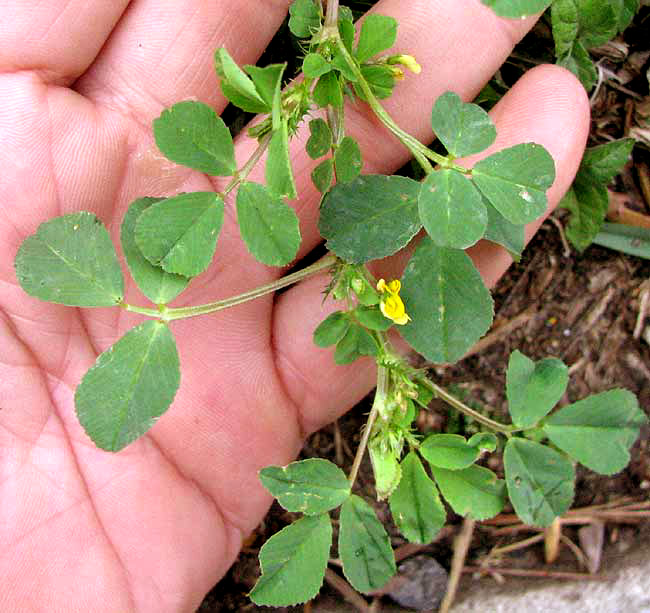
(589, 309)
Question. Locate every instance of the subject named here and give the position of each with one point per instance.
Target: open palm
(153, 527)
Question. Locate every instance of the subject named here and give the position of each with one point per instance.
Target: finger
(58, 39)
(161, 51)
(548, 106)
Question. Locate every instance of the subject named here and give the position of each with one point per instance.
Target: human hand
(153, 527)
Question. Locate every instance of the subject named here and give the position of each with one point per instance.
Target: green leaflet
(364, 547)
(516, 8)
(304, 18)
(293, 563)
(159, 286)
(328, 91)
(515, 181)
(130, 385)
(323, 174)
(269, 227)
(190, 133)
(278, 172)
(463, 128)
(452, 209)
(315, 65)
(372, 318)
(355, 343)
(311, 486)
(237, 86)
(540, 481)
(415, 505)
(580, 64)
(503, 232)
(71, 260)
(267, 81)
(450, 451)
(347, 160)
(588, 200)
(180, 233)
(599, 430)
(533, 388)
(320, 138)
(370, 217)
(474, 490)
(378, 33)
(448, 303)
(385, 468)
(332, 329)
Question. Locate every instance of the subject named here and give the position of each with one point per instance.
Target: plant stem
(419, 151)
(463, 408)
(379, 401)
(167, 314)
(332, 15)
(249, 165)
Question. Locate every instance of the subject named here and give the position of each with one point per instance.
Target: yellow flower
(391, 304)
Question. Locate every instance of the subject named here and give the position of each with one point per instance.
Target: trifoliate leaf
(159, 286)
(190, 133)
(347, 160)
(451, 209)
(293, 563)
(415, 505)
(364, 547)
(71, 260)
(474, 490)
(320, 138)
(378, 33)
(450, 451)
(515, 181)
(371, 217)
(599, 430)
(130, 385)
(540, 481)
(449, 305)
(269, 227)
(310, 486)
(533, 388)
(463, 128)
(180, 233)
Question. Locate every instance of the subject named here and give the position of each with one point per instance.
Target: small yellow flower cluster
(391, 304)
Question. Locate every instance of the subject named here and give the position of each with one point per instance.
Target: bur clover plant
(440, 306)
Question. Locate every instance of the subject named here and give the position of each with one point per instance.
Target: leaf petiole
(169, 314)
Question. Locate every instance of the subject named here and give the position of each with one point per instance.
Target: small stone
(421, 584)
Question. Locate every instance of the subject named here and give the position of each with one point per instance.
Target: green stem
(380, 400)
(463, 408)
(167, 314)
(249, 165)
(419, 151)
